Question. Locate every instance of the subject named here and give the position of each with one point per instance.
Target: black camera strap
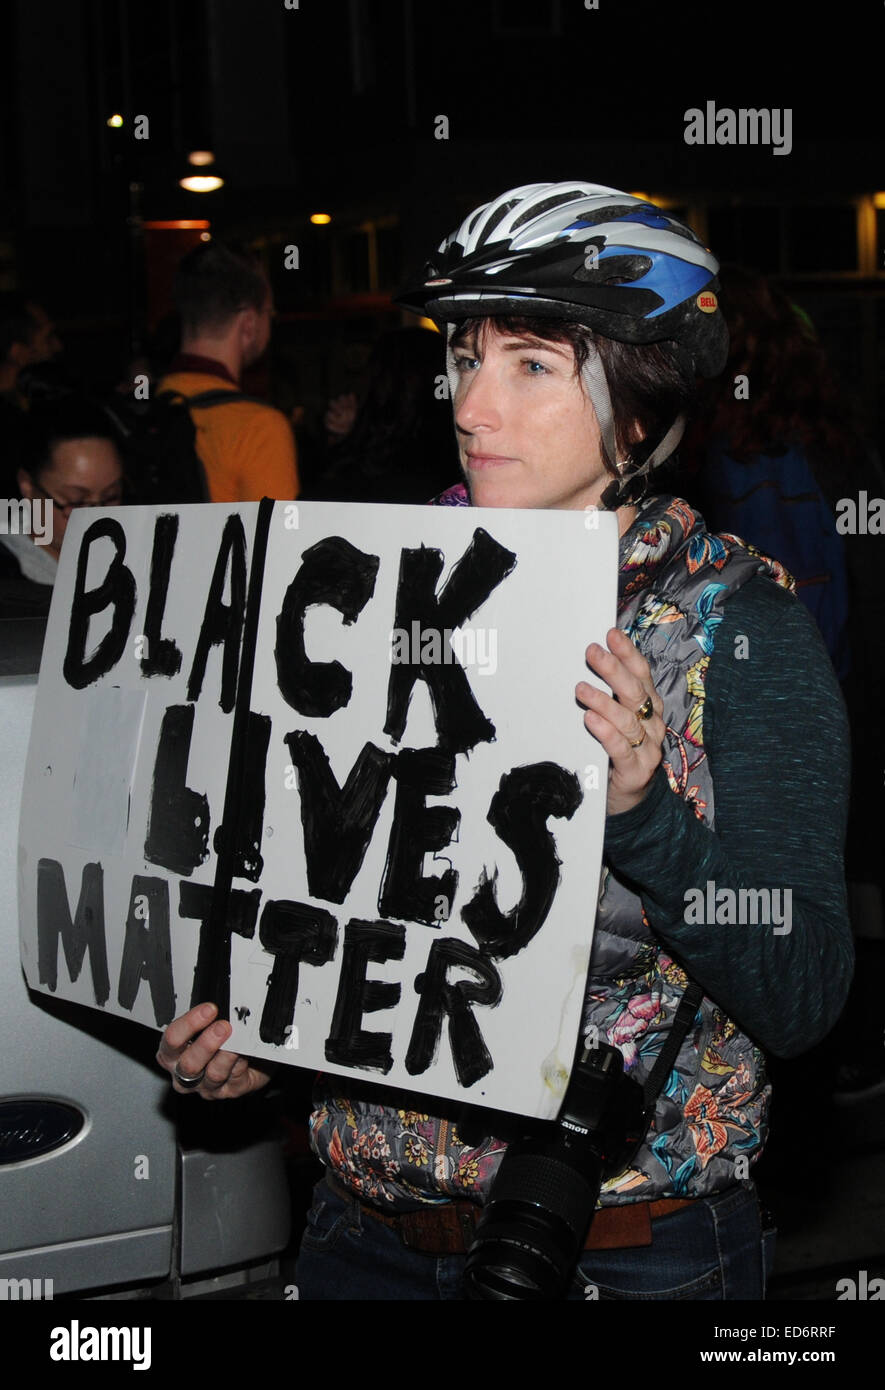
(636, 1102)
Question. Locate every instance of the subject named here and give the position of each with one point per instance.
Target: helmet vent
(489, 229)
(560, 199)
(468, 231)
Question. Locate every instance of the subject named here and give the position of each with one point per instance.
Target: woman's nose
(477, 404)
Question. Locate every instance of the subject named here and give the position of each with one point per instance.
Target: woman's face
(527, 433)
(80, 473)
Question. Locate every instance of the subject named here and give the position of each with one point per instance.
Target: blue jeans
(712, 1250)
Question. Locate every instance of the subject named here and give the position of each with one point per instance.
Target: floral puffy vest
(710, 1119)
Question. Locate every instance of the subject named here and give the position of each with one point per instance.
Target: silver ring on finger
(190, 1083)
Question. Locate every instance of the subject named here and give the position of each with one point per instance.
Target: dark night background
(332, 107)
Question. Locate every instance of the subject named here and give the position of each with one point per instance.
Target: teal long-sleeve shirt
(776, 735)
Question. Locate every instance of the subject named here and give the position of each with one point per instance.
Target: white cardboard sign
(323, 765)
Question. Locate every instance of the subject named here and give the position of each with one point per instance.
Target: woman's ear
(25, 484)
(634, 435)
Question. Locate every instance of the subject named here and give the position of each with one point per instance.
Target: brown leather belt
(448, 1229)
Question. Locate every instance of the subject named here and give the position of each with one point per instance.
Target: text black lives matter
(337, 821)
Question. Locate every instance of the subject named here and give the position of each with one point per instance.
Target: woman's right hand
(191, 1047)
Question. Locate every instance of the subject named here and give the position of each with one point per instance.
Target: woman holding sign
(577, 320)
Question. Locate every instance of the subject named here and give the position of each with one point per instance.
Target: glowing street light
(201, 183)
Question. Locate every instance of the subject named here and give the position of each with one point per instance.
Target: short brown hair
(214, 282)
(649, 383)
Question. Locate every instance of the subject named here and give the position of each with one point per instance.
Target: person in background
(68, 458)
(774, 449)
(400, 446)
(226, 306)
(28, 340)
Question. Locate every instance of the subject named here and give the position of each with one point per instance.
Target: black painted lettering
(211, 975)
(335, 573)
(223, 622)
(163, 656)
(337, 821)
(178, 821)
(348, 1044)
(85, 933)
(117, 591)
(460, 722)
(294, 934)
(441, 998)
(247, 858)
(525, 799)
(212, 970)
(147, 949)
(419, 829)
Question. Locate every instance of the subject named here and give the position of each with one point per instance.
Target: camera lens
(534, 1222)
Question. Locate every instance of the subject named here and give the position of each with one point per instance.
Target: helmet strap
(451, 370)
(631, 484)
(596, 386)
(667, 444)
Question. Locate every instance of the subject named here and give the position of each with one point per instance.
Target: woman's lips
(477, 462)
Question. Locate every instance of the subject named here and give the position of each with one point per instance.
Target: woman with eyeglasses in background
(69, 458)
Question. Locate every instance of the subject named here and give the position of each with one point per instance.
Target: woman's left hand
(632, 743)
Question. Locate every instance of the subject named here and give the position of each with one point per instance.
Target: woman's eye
(535, 368)
(466, 364)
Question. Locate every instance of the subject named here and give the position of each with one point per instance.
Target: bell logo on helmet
(708, 302)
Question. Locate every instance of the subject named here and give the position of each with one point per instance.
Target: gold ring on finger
(646, 710)
(637, 742)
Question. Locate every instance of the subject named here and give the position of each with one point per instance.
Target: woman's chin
(495, 493)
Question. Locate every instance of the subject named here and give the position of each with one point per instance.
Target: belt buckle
(467, 1220)
(444, 1230)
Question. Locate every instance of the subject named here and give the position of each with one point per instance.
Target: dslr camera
(534, 1224)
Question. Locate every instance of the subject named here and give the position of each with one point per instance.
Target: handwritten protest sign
(324, 766)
